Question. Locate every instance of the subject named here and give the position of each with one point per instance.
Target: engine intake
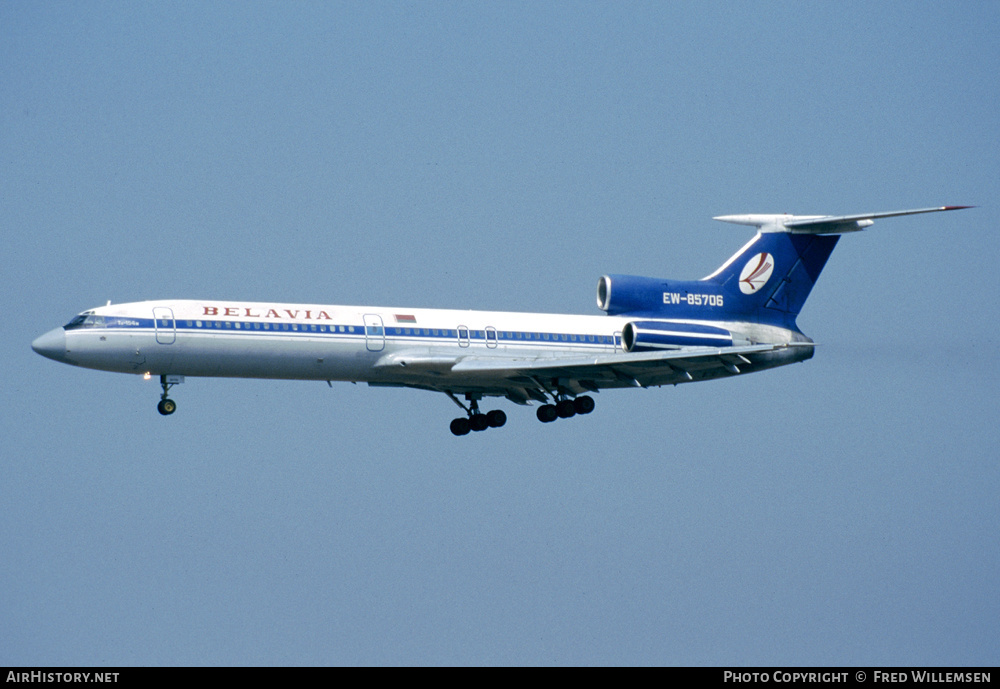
(618, 294)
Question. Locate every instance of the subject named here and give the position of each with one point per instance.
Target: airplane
(655, 332)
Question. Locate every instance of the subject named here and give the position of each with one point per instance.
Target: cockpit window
(85, 320)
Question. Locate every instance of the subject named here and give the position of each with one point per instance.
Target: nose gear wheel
(166, 406)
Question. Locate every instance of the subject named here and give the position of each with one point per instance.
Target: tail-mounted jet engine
(617, 294)
(642, 336)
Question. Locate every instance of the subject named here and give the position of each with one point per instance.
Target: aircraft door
(164, 325)
(374, 332)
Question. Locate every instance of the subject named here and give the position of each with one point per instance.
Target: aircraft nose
(52, 344)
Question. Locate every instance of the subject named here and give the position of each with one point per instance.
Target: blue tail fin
(769, 279)
(766, 282)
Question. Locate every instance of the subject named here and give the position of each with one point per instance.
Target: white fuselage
(315, 342)
(379, 345)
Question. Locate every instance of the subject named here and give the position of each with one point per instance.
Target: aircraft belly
(270, 357)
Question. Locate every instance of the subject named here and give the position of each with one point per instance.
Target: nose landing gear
(167, 406)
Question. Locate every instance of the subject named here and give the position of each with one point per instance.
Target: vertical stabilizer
(769, 279)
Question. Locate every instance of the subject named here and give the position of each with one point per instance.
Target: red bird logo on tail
(756, 273)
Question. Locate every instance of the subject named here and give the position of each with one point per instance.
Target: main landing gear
(167, 406)
(477, 421)
(565, 408)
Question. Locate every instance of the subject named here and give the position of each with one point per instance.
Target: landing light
(146, 376)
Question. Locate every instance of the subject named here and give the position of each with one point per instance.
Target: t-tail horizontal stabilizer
(821, 224)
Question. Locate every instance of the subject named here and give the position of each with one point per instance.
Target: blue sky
(500, 156)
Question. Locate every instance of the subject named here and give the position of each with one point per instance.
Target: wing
(538, 378)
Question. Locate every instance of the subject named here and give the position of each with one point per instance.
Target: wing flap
(613, 370)
(522, 379)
